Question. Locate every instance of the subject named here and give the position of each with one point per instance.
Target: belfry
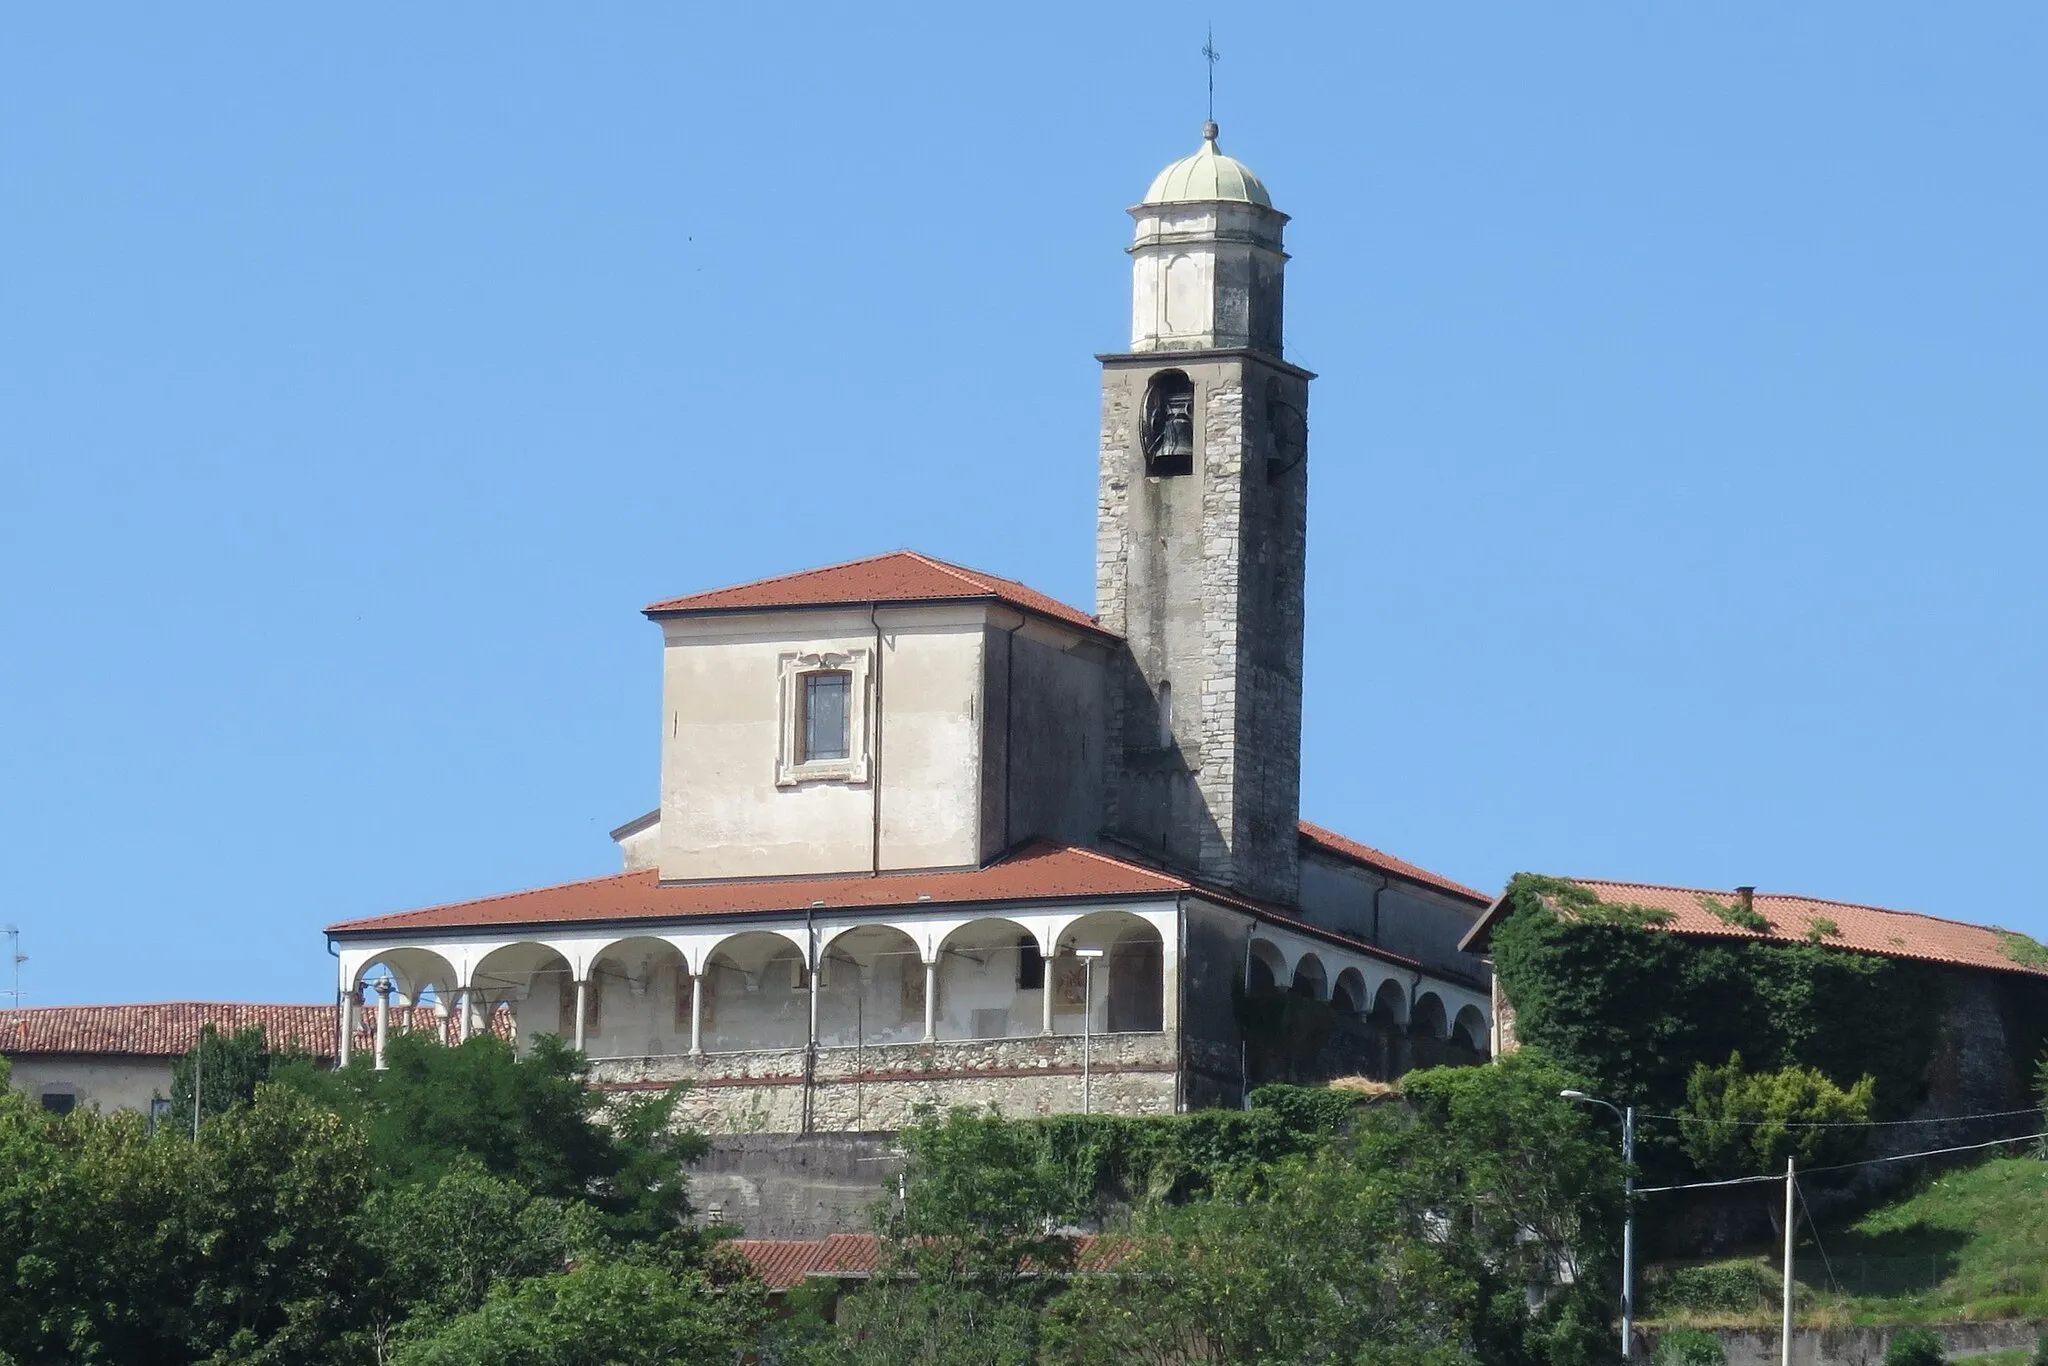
(1201, 533)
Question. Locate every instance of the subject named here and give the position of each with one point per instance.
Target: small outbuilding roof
(166, 1029)
(1803, 919)
(901, 576)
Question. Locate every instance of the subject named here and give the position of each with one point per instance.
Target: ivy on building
(1611, 997)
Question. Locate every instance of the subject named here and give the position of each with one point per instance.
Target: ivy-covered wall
(1613, 997)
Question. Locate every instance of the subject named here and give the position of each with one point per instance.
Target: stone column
(346, 1002)
(931, 1002)
(696, 1014)
(812, 1041)
(582, 1014)
(463, 1005)
(383, 1020)
(1045, 997)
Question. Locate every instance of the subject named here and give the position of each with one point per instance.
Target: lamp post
(1087, 957)
(1627, 1116)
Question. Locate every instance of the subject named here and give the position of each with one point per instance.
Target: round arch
(756, 993)
(413, 972)
(1349, 994)
(1311, 979)
(636, 999)
(1390, 1005)
(1470, 1029)
(870, 988)
(991, 978)
(1265, 967)
(529, 980)
(1127, 993)
(1427, 1017)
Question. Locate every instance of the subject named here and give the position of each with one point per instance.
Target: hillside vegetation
(1972, 1244)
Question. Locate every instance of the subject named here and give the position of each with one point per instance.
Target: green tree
(608, 1314)
(1416, 1239)
(1742, 1123)
(1914, 1347)
(966, 1258)
(225, 1069)
(530, 1120)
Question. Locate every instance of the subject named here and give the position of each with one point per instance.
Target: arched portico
(530, 979)
(1311, 979)
(755, 993)
(871, 989)
(1350, 994)
(1265, 967)
(991, 980)
(1390, 1006)
(1427, 1017)
(1469, 1030)
(1126, 989)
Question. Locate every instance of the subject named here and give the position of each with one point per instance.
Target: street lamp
(1628, 1212)
(1087, 957)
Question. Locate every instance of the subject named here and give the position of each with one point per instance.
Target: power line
(1841, 1123)
(1843, 1166)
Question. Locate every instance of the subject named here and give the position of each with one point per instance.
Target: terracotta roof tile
(1040, 872)
(1802, 919)
(782, 1263)
(899, 576)
(1333, 843)
(170, 1029)
(167, 1029)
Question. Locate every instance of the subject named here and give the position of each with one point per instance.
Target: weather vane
(1210, 54)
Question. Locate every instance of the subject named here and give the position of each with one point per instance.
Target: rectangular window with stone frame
(827, 695)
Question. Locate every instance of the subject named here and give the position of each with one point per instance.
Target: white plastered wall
(642, 974)
(724, 723)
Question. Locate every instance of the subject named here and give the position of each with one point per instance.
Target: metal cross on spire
(1211, 55)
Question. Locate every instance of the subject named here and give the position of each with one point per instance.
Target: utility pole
(1785, 1348)
(1628, 1214)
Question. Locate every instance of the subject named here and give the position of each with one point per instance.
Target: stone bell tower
(1200, 535)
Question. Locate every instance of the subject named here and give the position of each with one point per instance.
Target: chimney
(1745, 897)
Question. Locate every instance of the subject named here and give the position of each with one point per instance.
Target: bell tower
(1200, 535)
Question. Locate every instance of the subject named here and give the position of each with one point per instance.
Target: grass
(1969, 1246)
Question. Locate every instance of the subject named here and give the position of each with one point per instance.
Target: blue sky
(1676, 465)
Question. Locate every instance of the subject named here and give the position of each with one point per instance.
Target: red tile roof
(170, 1029)
(782, 1263)
(1038, 872)
(1330, 842)
(901, 576)
(1801, 919)
(165, 1030)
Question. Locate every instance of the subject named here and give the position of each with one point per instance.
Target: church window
(826, 695)
(1168, 429)
(824, 732)
(1165, 714)
(59, 1102)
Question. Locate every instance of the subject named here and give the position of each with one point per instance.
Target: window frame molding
(791, 668)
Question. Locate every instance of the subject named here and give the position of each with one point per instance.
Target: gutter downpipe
(1180, 1014)
(875, 759)
(811, 1034)
(1244, 1065)
(1009, 718)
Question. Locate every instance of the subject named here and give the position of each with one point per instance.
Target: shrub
(1690, 1347)
(2041, 1350)
(1914, 1347)
(1722, 1288)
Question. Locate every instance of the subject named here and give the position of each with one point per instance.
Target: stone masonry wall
(866, 1089)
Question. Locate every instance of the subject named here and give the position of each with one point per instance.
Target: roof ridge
(1116, 862)
(1791, 896)
(973, 578)
(791, 574)
(507, 896)
(162, 1005)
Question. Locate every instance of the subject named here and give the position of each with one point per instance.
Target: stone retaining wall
(851, 1090)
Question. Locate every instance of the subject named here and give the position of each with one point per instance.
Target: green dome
(1208, 175)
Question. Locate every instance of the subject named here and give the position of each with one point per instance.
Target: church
(928, 836)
